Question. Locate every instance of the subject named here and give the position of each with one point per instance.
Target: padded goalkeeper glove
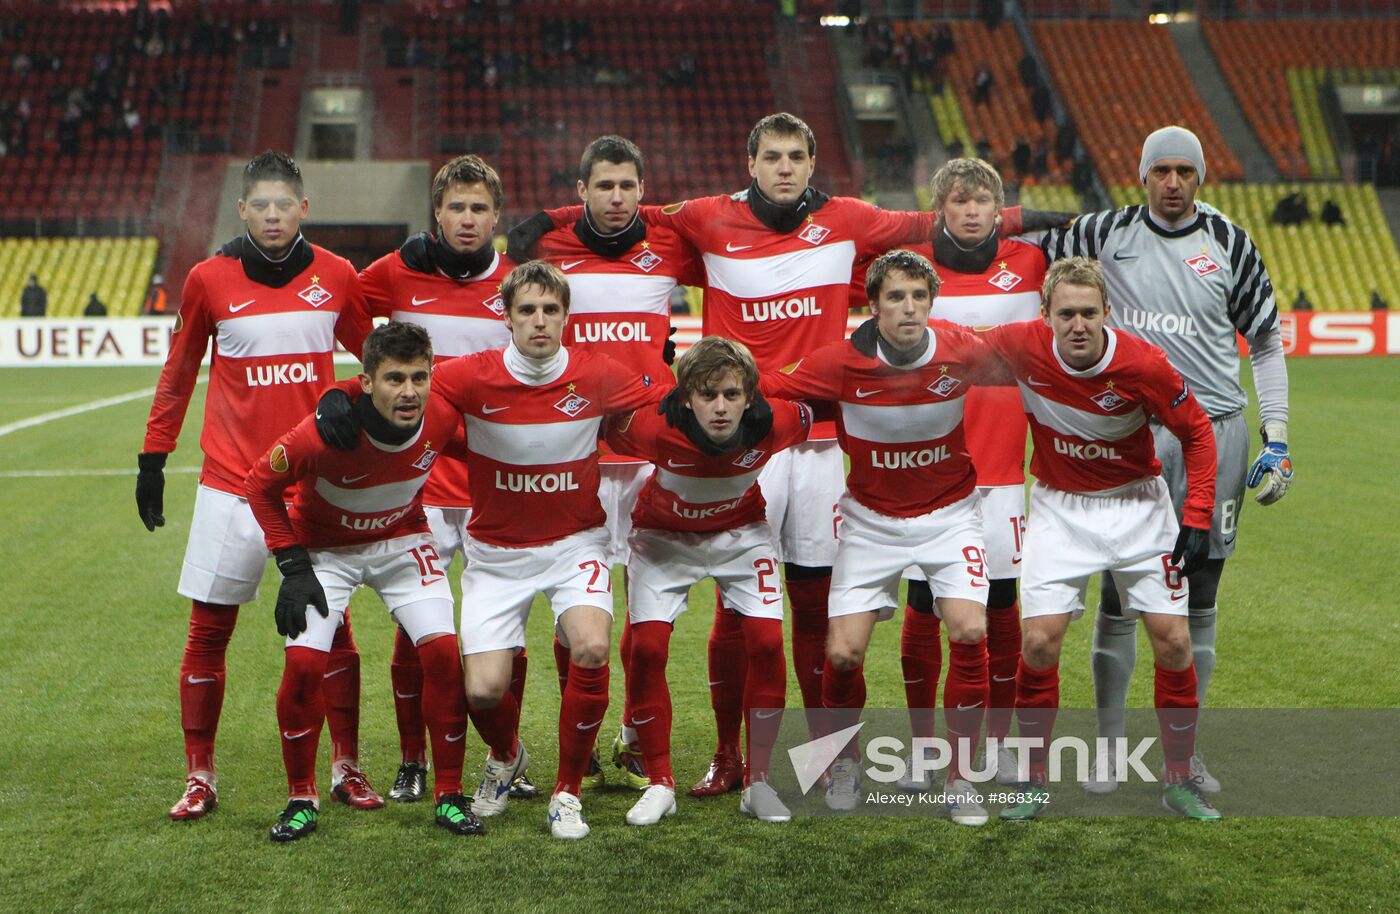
(299, 589)
(1272, 471)
(150, 490)
(336, 421)
(1192, 550)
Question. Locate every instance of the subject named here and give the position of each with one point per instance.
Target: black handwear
(1192, 549)
(150, 490)
(299, 589)
(336, 421)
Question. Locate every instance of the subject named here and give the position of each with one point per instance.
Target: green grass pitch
(91, 633)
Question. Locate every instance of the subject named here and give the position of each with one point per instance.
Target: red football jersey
(901, 426)
(1089, 426)
(695, 492)
(271, 359)
(461, 318)
(532, 448)
(348, 498)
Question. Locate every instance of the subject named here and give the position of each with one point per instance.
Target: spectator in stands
(1030, 72)
(1302, 303)
(1040, 158)
(984, 149)
(943, 43)
(982, 85)
(1332, 213)
(1021, 158)
(1378, 303)
(991, 13)
(157, 301)
(1040, 101)
(1065, 140)
(94, 307)
(1291, 210)
(34, 300)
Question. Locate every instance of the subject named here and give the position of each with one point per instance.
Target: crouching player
(357, 518)
(911, 500)
(701, 515)
(1100, 504)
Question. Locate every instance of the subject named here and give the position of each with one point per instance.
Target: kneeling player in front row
(910, 500)
(701, 515)
(1100, 505)
(357, 518)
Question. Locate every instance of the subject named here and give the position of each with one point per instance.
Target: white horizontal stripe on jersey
(779, 274)
(534, 444)
(901, 424)
(284, 333)
(987, 310)
(1081, 423)
(370, 499)
(620, 293)
(458, 334)
(697, 490)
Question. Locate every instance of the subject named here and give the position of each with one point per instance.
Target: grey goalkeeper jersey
(1186, 291)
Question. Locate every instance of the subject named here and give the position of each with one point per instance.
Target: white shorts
(449, 527)
(405, 571)
(1070, 537)
(500, 583)
(665, 564)
(874, 549)
(1003, 532)
(618, 487)
(801, 486)
(226, 552)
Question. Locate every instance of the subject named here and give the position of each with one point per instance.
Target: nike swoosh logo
(234, 309)
(672, 463)
(1034, 383)
(588, 726)
(335, 672)
(346, 480)
(1016, 560)
(1003, 679)
(912, 681)
(862, 394)
(196, 681)
(1181, 729)
(817, 672)
(416, 302)
(456, 739)
(769, 601)
(1120, 256)
(1230, 540)
(715, 682)
(638, 723)
(761, 716)
(731, 247)
(1178, 597)
(287, 734)
(975, 704)
(566, 267)
(488, 410)
(398, 694)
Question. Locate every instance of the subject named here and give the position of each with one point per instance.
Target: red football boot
(354, 791)
(200, 798)
(726, 773)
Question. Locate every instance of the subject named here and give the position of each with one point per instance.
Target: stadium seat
(71, 269)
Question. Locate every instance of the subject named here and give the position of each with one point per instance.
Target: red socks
(341, 686)
(1003, 659)
(765, 689)
(300, 711)
(406, 676)
(497, 726)
(809, 598)
(561, 663)
(445, 707)
(921, 657)
(1037, 698)
(1175, 698)
(519, 666)
(728, 667)
(580, 715)
(650, 697)
(202, 680)
(844, 691)
(964, 702)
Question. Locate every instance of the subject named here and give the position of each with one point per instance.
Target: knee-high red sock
(728, 665)
(497, 726)
(300, 710)
(1177, 707)
(445, 708)
(561, 663)
(341, 687)
(624, 653)
(964, 702)
(844, 691)
(765, 693)
(202, 680)
(808, 598)
(921, 656)
(519, 666)
(1003, 658)
(580, 715)
(406, 676)
(650, 697)
(1037, 699)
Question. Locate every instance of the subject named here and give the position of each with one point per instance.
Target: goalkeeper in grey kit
(1186, 279)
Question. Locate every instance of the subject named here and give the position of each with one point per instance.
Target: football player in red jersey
(273, 305)
(1100, 504)
(357, 519)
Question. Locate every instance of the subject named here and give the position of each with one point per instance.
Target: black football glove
(672, 406)
(1039, 220)
(336, 421)
(668, 349)
(521, 240)
(150, 490)
(1192, 550)
(299, 589)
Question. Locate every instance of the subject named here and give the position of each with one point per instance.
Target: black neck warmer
(460, 266)
(379, 428)
(784, 218)
(754, 426)
(614, 245)
(954, 256)
(868, 342)
(264, 270)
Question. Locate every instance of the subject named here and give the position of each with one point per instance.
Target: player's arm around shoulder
(622, 388)
(986, 366)
(635, 432)
(816, 376)
(292, 457)
(792, 423)
(354, 323)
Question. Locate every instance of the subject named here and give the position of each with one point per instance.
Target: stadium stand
(1338, 266)
(1273, 68)
(1057, 197)
(1120, 81)
(117, 269)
